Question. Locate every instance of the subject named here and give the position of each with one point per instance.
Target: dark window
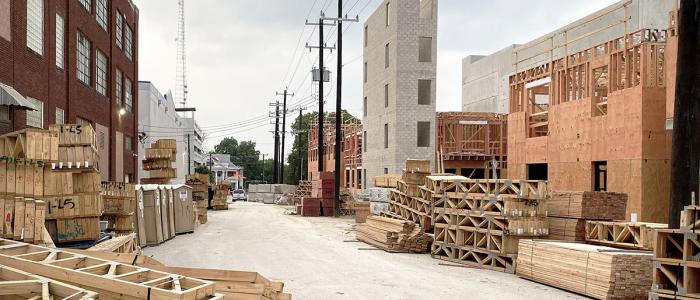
(537, 172)
(600, 176)
(424, 91)
(423, 134)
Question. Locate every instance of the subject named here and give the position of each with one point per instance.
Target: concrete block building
(74, 62)
(400, 55)
(485, 81)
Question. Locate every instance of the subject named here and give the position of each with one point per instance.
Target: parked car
(238, 194)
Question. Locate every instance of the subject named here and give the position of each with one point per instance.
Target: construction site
(571, 172)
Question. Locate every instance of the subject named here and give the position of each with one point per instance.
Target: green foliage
(245, 155)
(202, 170)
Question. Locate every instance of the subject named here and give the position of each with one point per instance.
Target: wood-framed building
(351, 153)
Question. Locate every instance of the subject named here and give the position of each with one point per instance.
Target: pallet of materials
(387, 180)
(22, 219)
(568, 212)
(20, 177)
(393, 235)
(158, 162)
(599, 272)
(480, 221)
(630, 235)
(221, 192)
(112, 280)
(119, 207)
(362, 211)
(17, 284)
(200, 194)
(82, 229)
(77, 148)
(30, 144)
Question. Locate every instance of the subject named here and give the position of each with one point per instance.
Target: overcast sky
(240, 52)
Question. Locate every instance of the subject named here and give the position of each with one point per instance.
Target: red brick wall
(38, 77)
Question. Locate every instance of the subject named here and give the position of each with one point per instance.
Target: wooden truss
(677, 264)
(30, 144)
(487, 188)
(474, 257)
(623, 234)
(415, 209)
(112, 280)
(16, 284)
(121, 244)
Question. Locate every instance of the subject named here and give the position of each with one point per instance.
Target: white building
(223, 169)
(194, 136)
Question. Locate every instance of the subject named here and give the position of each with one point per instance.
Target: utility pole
(338, 104)
(275, 167)
(301, 124)
(263, 168)
(685, 156)
(284, 129)
(189, 156)
(321, 46)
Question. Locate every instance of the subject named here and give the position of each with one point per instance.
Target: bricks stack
(159, 162)
(322, 196)
(72, 189)
(569, 211)
(119, 207)
(200, 194)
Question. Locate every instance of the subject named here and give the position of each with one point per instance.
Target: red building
(74, 61)
(351, 156)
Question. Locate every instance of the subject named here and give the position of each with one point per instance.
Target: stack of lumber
(200, 194)
(480, 221)
(393, 235)
(569, 211)
(387, 180)
(676, 273)
(73, 188)
(598, 272)
(119, 201)
(159, 162)
(221, 192)
(119, 244)
(110, 279)
(17, 284)
(627, 235)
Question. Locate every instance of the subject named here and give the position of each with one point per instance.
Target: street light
(122, 111)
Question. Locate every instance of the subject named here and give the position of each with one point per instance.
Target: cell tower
(181, 69)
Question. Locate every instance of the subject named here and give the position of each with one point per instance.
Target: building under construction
(351, 156)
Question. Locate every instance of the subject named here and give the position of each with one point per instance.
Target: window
(60, 116)
(120, 29)
(4, 112)
(386, 56)
(387, 11)
(35, 118)
(83, 59)
(425, 49)
(364, 107)
(102, 13)
(364, 73)
(386, 136)
(386, 95)
(5, 21)
(127, 94)
(366, 35)
(365, 142)
(119, 87)
(60, 63)
(600, 176)
(128, 48)
(386, 171)
(537, 172)
(35, 26)
(423, 134)
(128, 144)
(87, 4)
(424, 91)
(101, 67)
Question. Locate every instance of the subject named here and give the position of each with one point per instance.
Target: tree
(300, 131)
(245, 155)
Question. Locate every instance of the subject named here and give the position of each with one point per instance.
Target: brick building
(351, 156)
(76, 61)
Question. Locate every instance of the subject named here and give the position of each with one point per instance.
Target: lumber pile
(200, 194)
(110, 279)
(119, 244)
(568, 212)
(676, 273)
(480, 221)
(393, 235)
(17, 284)
(221, 192)
(159, 162)
(630, 235)
(598, 272)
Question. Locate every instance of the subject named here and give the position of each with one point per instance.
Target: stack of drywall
(119, 207)
(221, 192)
(569, 211)
(393, 235)
(159, 162)
(200, 194)
(72, 189)
(379, 200)
(479, 222)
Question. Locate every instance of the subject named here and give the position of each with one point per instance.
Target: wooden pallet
(73, 229)
(22, 219)
(623, 234)
(112, 280)
(17, 284)
(30, 144)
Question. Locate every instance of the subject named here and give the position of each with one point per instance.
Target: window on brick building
(35, 118)
(102, 14)
(118, 83)
(425, 49)
(128, 43)
(87, 4)
(4, 113)
(127, 94)
(60, 62)
(83, 64)
(120, 30)
(5, 23)
(35, 26)
(128, 144)
(101, 73)
(424, 91)
(423, 134)
(60, 116)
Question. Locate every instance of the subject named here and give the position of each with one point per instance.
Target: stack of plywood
(598, 272)
(221, 192)
(200, 194)
(676, 273)
(159, 162)
(569, 211)
(393, 235)
(119, 201)
(72, 189)
(479, 222)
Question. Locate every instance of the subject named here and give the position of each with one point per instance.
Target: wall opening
(600, 176)
(423, 134)
(473, 173)
(538, 107)
(537, 172)
(425, 49)
(424, 91)
(600, 91)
